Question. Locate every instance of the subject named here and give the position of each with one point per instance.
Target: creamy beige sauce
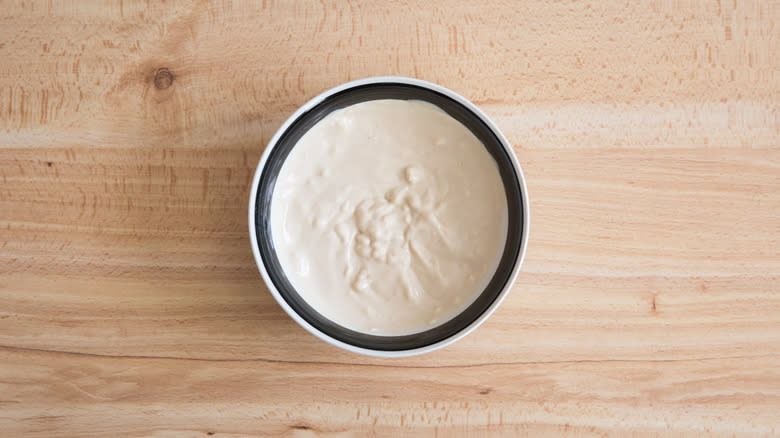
(389, 217)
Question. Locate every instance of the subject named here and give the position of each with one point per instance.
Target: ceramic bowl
(388, 88)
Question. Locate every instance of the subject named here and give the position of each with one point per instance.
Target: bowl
(388, 87)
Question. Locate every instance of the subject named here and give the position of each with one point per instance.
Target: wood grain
(649, 303)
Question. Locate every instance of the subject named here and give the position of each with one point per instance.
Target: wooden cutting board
(649, 303)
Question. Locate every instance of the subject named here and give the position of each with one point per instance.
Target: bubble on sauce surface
(361, 283)
(413, 174)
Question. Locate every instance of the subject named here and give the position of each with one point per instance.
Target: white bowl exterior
(253, 232)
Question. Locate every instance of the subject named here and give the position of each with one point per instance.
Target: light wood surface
(649, 303)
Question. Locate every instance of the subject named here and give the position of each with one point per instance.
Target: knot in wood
(163, 78)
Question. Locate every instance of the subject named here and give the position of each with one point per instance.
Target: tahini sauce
(389, 217)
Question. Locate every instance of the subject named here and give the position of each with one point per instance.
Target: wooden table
(649, 302)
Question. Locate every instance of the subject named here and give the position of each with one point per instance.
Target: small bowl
(388, 87)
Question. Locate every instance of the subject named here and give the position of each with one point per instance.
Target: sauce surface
(389, 217)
